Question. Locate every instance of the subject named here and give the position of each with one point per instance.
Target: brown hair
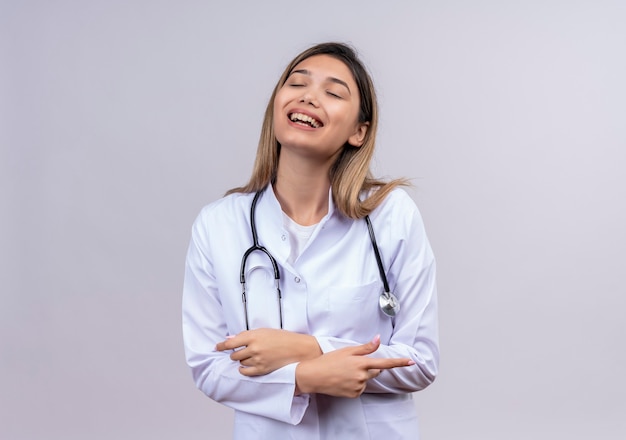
(350, 175)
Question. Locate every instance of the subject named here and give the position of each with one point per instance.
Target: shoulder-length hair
(350, 175)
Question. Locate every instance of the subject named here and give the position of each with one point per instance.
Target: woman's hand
(264, 350)
(344, 372)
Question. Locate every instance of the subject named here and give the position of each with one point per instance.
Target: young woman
(283, 316)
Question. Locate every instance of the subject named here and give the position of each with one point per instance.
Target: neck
(302, 192)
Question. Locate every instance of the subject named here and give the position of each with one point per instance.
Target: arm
(411, 271)
(261, 351)
(343, 372)
(215, 374)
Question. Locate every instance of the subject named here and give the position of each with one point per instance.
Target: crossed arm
(343, 372)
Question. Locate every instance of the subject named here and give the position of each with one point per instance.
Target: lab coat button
(296, 279)
(283, 237)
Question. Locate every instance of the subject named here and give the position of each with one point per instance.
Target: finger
(232, 342)
(226, 345)
(239, 355)
(365, 349)
(388, 363)
(249, 362)
(250, 371)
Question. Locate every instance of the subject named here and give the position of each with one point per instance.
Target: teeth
(299, 117)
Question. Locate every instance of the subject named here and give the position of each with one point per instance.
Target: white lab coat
(331, 292)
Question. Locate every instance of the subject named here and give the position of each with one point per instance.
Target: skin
(321, 87)
(302, 182)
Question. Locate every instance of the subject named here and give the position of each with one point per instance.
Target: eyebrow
(330, 78)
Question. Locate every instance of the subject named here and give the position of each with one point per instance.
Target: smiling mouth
(306, 120)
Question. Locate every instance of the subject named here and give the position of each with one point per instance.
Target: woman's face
(316, 110)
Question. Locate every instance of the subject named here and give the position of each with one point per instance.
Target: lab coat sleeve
(214, 373)
(415, 328)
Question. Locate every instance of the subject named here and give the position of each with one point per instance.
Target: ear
(357, 139)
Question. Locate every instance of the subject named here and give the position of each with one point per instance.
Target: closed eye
(334, 95)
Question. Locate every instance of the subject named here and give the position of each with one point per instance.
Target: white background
(121, 119)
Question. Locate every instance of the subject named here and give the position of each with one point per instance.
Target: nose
(308, 98)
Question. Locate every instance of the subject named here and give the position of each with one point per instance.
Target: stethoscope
(387, 301)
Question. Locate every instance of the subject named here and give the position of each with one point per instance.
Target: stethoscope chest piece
(389, 304)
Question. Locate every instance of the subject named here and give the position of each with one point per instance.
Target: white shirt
(331, 292)
(298, 236)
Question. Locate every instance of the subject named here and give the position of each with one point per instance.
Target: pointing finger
(388, 363)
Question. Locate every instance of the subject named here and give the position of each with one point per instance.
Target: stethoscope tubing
(256, 247)
(388, 302)
(379, 260)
